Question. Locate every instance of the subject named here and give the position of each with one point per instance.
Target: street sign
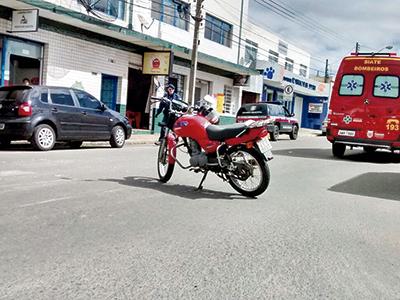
(288, 93)
(26, 20)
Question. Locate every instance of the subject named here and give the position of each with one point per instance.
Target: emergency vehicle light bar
(390, 54)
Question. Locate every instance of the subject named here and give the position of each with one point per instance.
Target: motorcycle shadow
(179, 190)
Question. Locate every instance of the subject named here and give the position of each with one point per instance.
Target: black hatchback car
(45, 115)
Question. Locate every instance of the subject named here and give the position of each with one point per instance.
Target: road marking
(15, 173)
(44, 202)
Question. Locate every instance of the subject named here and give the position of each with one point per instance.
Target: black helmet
(170, 85)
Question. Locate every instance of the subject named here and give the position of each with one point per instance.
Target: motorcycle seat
(224, 132)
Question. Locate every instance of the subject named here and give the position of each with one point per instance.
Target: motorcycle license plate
(265, 147)
(2, 126)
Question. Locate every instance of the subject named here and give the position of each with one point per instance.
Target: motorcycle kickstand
(200, 187)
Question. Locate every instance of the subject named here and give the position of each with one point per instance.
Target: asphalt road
(95, 223)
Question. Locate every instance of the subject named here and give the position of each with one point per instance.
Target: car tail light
(25, 109)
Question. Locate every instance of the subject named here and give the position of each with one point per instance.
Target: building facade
(100, 49)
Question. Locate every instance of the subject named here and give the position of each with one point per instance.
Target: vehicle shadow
(180, 190)
(377, 185)
(378, 157)
(26, 147)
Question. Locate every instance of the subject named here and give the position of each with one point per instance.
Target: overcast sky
(374, 23)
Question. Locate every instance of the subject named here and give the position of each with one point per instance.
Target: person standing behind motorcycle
(164, 106)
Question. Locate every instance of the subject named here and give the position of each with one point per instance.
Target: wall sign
(288, 91)
(157, 63)
(315, 108)
(26, 20)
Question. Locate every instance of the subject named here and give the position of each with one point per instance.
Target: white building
(102, 51)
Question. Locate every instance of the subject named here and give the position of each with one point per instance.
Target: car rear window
(16, 94)
(386, 86)
(253, 110)
(351, 85)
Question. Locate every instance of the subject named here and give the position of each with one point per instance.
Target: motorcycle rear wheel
(258, 181)
(164, 168)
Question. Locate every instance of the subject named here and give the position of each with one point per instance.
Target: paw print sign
(269, 73)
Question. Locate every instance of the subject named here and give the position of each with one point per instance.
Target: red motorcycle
(237, 153)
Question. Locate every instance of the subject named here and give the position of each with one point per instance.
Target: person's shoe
(157, 143)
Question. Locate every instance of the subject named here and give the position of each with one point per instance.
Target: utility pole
(326, 72)
(240, 31)
(193, 66)
(357, 47)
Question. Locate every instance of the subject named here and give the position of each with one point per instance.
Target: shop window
(289, 64)
(270, 95)
(61, 97)
(303, 70)
(229, 106)
(218, 31)
(273, 56)
(250, 55)
(173, 12)
(114, 8)
(386, 86)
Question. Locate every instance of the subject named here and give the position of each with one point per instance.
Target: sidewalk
(138, 139)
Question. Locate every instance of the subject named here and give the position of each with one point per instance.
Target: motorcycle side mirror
(159, 87)
(102, 107)
(156, 83)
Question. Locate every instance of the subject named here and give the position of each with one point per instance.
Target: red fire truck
(364, 109)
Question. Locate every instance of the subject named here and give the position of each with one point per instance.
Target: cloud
(333, 27)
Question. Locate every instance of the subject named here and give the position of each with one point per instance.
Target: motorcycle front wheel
(251, 176)
(164, 168)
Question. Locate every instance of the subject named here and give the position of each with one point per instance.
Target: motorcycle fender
(172, 149)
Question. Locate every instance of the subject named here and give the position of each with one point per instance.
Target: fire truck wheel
(338, 150)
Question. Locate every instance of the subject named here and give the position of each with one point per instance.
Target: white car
(324, 125)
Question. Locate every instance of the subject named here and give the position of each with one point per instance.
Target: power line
(281, 12)
(228, 38)
(312, 57)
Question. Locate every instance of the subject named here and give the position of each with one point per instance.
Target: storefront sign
(315, 108)
(26, 20)
(220, 103)
(300, 82)
(157, 63)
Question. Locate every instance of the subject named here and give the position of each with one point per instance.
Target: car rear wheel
(369, 149)
(44, 138)
(295, 132)
(275, 133)
(338, 150)
(4, 143)
(75, 144)
(117, 137)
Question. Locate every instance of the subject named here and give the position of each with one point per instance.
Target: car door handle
(366, 101)
(84, 113)
(54, 109)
